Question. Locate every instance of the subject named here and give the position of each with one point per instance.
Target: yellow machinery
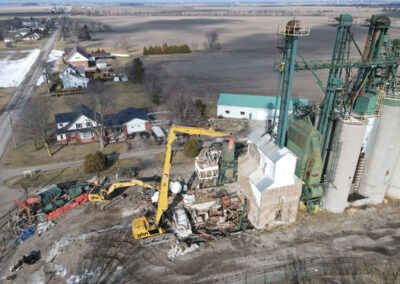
(103, 194)
(143, 227)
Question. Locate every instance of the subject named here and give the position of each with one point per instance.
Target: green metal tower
(334, 85)
(366, 77)
(291, 33)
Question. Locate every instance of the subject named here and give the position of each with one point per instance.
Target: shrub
(191, 147)
(201, 107)
(166, 49)
(95, 163)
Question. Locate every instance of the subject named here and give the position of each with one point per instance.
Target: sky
(187, 1)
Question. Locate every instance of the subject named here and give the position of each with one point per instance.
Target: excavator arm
(163, 197)
(132, 182)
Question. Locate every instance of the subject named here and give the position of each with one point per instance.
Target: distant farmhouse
(73, 77)
(27, 29)
(76, 56)
(77, 126)
(252, 107)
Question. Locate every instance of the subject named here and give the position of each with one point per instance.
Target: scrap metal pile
(216, 212)
(47, 204)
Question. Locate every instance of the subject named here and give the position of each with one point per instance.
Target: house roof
(116, 119)
(68, 52)
(125, 116)
(101, 54)
(79, 69)
(265, 102)
(71, 117)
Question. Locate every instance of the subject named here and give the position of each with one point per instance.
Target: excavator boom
(141, 227)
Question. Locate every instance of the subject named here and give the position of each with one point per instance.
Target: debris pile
(181, 248)
(48, 203)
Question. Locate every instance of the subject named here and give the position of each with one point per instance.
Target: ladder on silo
(359, 173)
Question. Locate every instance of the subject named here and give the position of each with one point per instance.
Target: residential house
(24, 31)
(267, 177)
(121, 125)
(76, 126)
(33, 36)
(101, 64)
(71, 69)
(73, 77)
(30, 22)
(76, 56)
(252, 107)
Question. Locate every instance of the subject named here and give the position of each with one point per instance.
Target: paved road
(23, 93)
(15, 107)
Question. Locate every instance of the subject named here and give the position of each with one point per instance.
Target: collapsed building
(267, 178)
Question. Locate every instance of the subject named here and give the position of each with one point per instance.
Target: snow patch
(120, 55)
(13, 71)
(55, 57)
(56, 249)
(40, 80)
(60, 270)
(78, 278)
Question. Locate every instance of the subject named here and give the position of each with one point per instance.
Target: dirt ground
(93, 246)
(244, 64)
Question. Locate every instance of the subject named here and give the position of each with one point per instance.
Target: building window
(88, 124)
(78, 125)
(60, 125)
(61, 136)
(242, 113)
(227, 111)
(86, 134)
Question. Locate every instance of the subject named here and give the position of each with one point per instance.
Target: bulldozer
(150, 225)
(107, 195)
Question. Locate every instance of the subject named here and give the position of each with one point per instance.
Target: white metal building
(251, 107)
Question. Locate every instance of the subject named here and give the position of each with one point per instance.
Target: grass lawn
(26, 155)
(67, 174)
(5, 97)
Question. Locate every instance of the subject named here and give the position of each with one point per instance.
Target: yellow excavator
(107, 194)
(143, 227)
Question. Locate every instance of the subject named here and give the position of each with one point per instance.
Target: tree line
(166, 49)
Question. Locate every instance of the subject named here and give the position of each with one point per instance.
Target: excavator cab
(141, 228)
(98, 194)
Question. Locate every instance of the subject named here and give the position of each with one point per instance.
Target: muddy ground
(92, 246)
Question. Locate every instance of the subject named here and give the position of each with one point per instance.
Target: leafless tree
(153, 87)
(35, 122)
(48, 74)
(212, 40)
(99, 101)
(179, 101)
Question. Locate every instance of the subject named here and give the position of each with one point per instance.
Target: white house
(135, 120)
(251, 107)
(74, 81)
(76, 126)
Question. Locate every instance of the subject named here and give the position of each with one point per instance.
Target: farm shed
(251, 107)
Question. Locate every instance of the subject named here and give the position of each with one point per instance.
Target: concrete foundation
(343, 162)
(380, 168)
(394, 188)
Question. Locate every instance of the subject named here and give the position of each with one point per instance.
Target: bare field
(244, 65)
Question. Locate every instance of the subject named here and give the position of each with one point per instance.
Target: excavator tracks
(159, 239)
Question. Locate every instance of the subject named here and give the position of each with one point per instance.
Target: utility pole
(12, 131)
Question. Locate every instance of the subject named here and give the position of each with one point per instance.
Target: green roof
(255, 101)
